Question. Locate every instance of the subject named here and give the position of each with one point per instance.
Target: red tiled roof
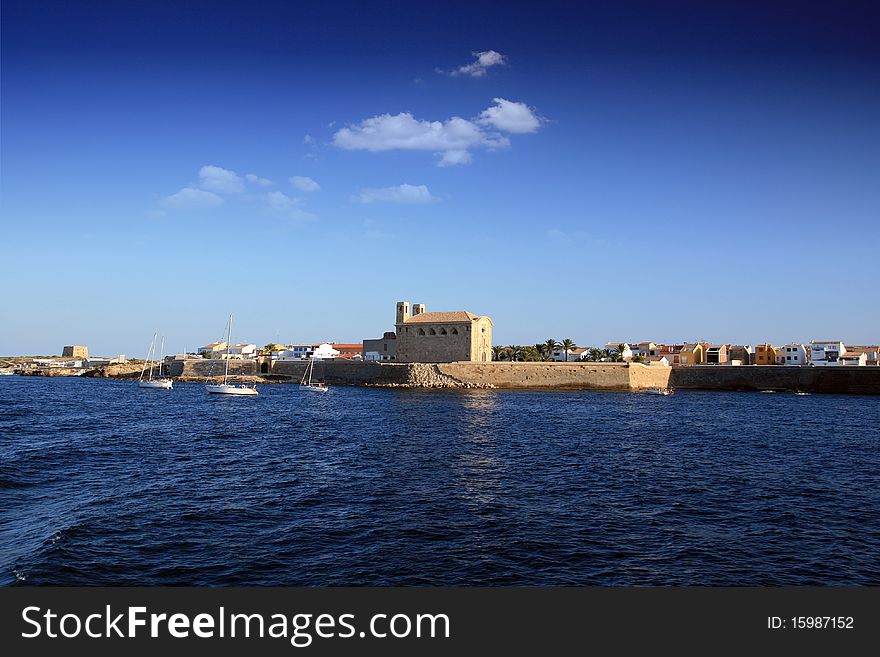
(442, 317)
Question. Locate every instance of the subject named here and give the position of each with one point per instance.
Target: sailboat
(306, 382)
(227, 388)
(159, 382)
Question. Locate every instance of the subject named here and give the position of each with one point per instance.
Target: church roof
(437, 318)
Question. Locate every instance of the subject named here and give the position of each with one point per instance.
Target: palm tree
(550, 346)
(542, 351)
(514, 352)
(498, 353)
(596, 355)
(568, 344)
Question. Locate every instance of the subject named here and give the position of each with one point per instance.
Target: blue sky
(633, 171)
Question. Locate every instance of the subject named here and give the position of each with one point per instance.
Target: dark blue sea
(105, 484)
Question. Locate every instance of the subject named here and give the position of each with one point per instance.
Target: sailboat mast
(152, 354)
(149, 350)
(161, 356)
(228, 338)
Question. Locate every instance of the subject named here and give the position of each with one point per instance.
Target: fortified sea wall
(582, 376)
(835, 379)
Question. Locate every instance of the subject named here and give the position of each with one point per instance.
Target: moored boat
(226, 388)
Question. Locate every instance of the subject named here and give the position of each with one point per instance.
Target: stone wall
(835, 379)
(201, 368)
(344, 372)
(585, 376)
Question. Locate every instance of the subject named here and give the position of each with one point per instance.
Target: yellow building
(441, 337)
(765, 354)
(692, 353)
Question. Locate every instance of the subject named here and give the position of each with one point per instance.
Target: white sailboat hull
(229, 389)
(314, 387)
(160, 384)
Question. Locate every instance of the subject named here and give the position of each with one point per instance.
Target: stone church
(441, 337)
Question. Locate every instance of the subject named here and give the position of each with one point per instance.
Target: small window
(432, 332)
(455, 331)
(443, 331)
(421, 331)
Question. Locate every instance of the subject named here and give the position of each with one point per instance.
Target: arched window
(432, 332)
(421, 331)
(443, 331)
(455, 331)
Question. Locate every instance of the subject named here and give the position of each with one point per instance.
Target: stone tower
(402, 311)
(418, 309)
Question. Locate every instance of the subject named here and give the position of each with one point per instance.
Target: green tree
(595, 355)
(568, 344)
(514, 353)
(498, 353)
(532, 354)
(550, 346)
(638, 358)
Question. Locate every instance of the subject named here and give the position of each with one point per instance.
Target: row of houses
(304, 351)
(818, 353)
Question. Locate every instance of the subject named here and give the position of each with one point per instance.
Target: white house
(241, 351)
(558, 354)
(325, 352)
(824, 353)
(625, 349)
(859, 358)
(295, 352)
(794, 354)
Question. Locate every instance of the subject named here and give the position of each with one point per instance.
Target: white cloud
(451, 158)
(398, 194)
(304, 184)
(402, 131)
(262, 182)
(281, 201)
(190, 198)
(220, 180)
(510, 116)
(477, 68)
(308, 139)
(452, 139)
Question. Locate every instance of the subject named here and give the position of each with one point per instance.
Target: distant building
(442, 337)
(383, 348)
(859, 358)
(658, 360)
(716, 354)
(242, 351)
(349, 351)
(558, 354)
(648, 349)
(98, 361)
(739, 355)
(825, 353)
(324, 351)
(295, 352)
(624, 348)
(212, 349)
(692, 353)
(671, 352)
(76, 351)
(765, 354)
(872, 353)
(794, 354)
